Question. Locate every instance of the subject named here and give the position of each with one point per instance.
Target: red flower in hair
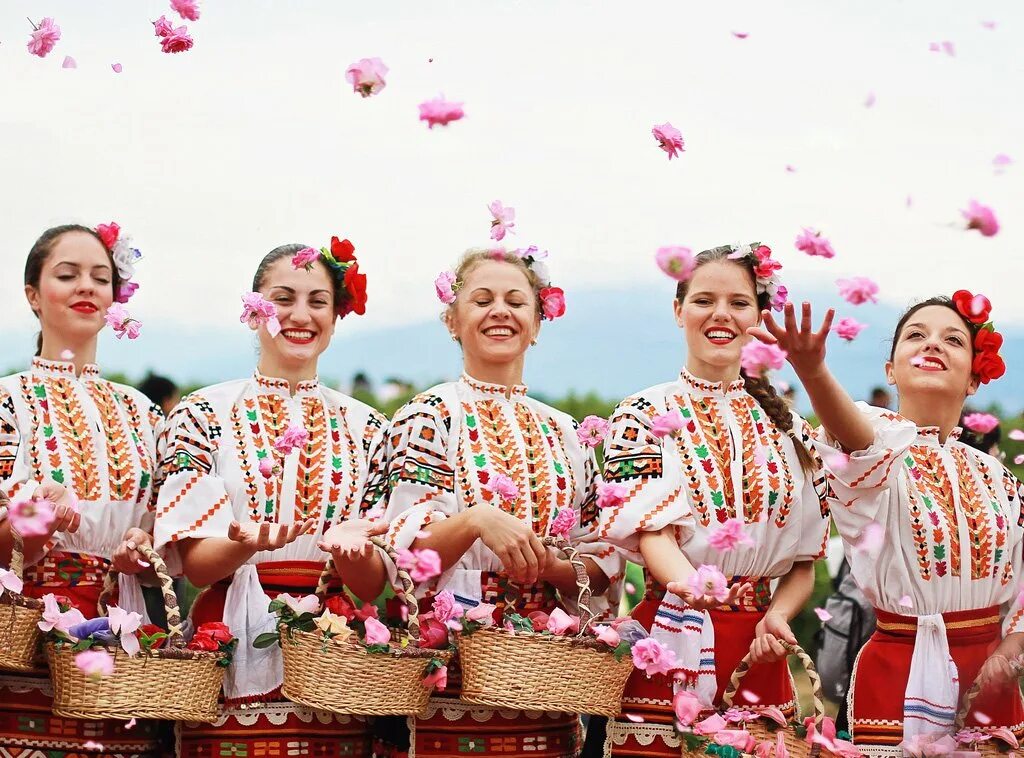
(109, 233)
(974, 308)
(552, 302)
(355, 284)
(342, 250)
(988, 340)
(988, 366)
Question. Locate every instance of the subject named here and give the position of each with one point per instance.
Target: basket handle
(408, 588)
(174, 634)
(18, 554)
(812, 673)
(968, 700)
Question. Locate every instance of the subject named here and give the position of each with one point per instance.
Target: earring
(533, 342)
(454, 338)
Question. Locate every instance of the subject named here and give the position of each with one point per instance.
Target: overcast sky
(212, 157)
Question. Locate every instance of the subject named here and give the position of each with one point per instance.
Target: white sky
(252, 139)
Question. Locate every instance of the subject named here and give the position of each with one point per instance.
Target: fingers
(544, 558)
(377, 528)
(790, 318)
(234, 531)
(826, 325)
(805, 318)
(263, 535)
(762, 334)
(532, 563)
(514, 562)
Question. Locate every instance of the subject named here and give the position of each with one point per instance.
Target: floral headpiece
(988, 364)
(552, 299)
(341, 261)
(766, 277)
(124, 256)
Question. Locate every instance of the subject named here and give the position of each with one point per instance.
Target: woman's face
(75, 289)
(305, 308)
(719, 306)
(495, 316)
(933, 353)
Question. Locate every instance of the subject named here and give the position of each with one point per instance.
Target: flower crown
(766, 277)
(341, 261)
(124, 256)
(988, 364)
(552, 299)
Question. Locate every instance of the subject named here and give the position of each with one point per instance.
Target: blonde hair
(475, 256)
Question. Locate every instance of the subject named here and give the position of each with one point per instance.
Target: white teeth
(498, 331)
(932, 362)
(298, 335)
(717, 334)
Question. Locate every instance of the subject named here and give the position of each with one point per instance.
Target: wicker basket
(988, 747)
(171, 683)
(19, 616)
(798, 747)
(544, 673)
(343, 677)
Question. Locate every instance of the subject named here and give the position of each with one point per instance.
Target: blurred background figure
(161, 390)
(880, 398)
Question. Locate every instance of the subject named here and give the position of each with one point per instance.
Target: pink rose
(482, 614)
(177, 41)
(187, 9)
(651, 657)
(858, 290)
(608, 636)
(687, 706)
(257, 311)
(756, 357)
(592, 431)
(729, 535)
(161, 27)
(95, 663)
(677, 262)
(610, 494)
(32, 517)
(433, 634)
(708, 581)
(125, 291)
(667, 424)
(552, 302)
(712, 725)
(669, 139)
(367, 76)
(982, 423)
(43, 38)
(812, 243)
(779, 298)
(437, 679)
(305, 258)
(446, 609)
(563, 523)
(422, 565)
(295, 436)
(539, 620)
(848, 328)
(560, 622)
(266, 468)
(376, 632)
(440, 112)
(504, 487)
(444, 285)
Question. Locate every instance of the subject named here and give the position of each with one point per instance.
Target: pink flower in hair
(669, 139)
(445, 286)
(592, 431)
(666, 424)
(676, 261)
(125, 291)
(858, 290)
(756, 357)
(295, 436)
(848, 328)
(121, 322)
(305, 258)
(440, 112)
(366, 76)
(812, 243)
(187, 9)
(563, 523)
(177, 41)
(552, 302)
(504, 220)
(982, 218)
(982, 423)
(44, 38)
(651, 657)
(708, 581)
(257, 311)
(161, 27)
(779, 298)
(610, 494)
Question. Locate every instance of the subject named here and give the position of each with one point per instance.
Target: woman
(448, 450)
(932, 526)
(714, 469)
(263, 473)
(86, 444)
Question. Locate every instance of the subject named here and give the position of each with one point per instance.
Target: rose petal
(69, 62)
(117, 70)
(1017, 435)
(822, 614)
(634, 718)
(906, 602)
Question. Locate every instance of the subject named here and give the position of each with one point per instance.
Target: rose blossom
(437, 679)
(440, 112)
(666, 424)
(729, 535)
(564, 521)
(669, 139)
(651, 657)
(44, 38)
(305, 258)
(422, 565)
(687, 706)
(608, 636)
(592, 431)
(708, 581)
(293, 437)
(560, 622)
(177, 41)
(552, 302)
(257, 311)
(32, 517)
(366, 76)
(161, 27)
(848, 328)
(444, 285)
(446, 609)
(610, 494)
(10, 582)
(504, 219)
(95, 664)
(812, 243)
(676, 261)
(376, 632)
(504, 487)
(982, 218)
(858, 290)
(756, 357)
(482, 613)
(982, 423)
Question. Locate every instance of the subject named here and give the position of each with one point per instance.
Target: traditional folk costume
(444, 446)
(933, 531)
(98, 439)
(211, 453)
(727, 462)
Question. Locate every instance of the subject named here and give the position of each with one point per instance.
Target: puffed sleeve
(193, 500)
(421, 477)
(150, 424)
(648, 470)
(376, 485)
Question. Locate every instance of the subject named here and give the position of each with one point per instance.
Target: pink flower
(669, 139)
(756, 357)
(827, 734)
(446, 609)
(729, 535)
(848, 328)
(932, 744)
(1001, 161)
(779, 298)
(740, 739)
(124, 624)
(125, 291)
(69, 62)
(982, 423)
(982, 218)
(504, 219)
(95, 664)
(44, 37)
(440, 112)
(666, 424)
(905, 602)
(741, 35)
(563, 523)
(504, 487)
(608, 636)
(812, 243)
(676, 261)
(858, 290)
(552, 302)
(483, 613)
(187, 9)
(869, 101)
(300, 605)
(708, 581)
(31, 518)
(944, 47)
(257, 311)
(177, 41)
(161, 27)
(592, 431)
(376, 632)
(293, 437)
(822, 614)
(10, 582)
(652, 658)
(305, 258)
(54, 619)
(366, 76)
(710, 726)
(267, 468)
(560, 622)
(870, 538)
(687, 707)
(422, 565)
(444, 285)
(781, 751)
(764, 265)
(610, 494)
(1017, 435)
(437, 678)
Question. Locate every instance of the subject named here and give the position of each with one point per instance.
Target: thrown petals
(366, 76)
(162, 27)
(710, 726)
(858, 290)
(1000, 162)
(666, 424)
(946, 46)
(69, 62)
(95, 663)
(92, 745)
(44, 37)
(1017, 435)
(422, 565)
(756, 357)
(635, 718)
(610, 494)
(982, 423)
(848, 328)
(504, 220)
(121, 322)
(708, 581)
(31, 517)
(729, 535)
(871, 538)
(905, 602)
(257, 311)
(187, 9)
(676, 261)
(300, 605)
(811, 242)
(440, 112)
(176, 41)
(837, 462)
(669, 139)
(741, 35)
(982, 218)
(869, 101)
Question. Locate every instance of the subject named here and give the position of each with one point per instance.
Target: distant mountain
(612, 342)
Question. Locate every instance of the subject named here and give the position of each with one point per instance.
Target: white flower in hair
(125, 257)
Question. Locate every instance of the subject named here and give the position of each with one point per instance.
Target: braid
(764, 393)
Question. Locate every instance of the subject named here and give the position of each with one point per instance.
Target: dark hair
(41, 251)
(287, 251)
(157, 388)
(758, 387)
(939, 300)
(983, 441)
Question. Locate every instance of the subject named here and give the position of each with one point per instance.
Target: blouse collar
(64, 369)
(704, 387)
(271, 385)
(928, 434)
(486, 388)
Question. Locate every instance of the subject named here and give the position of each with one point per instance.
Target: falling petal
(741, 35)
(869, 101)
(69, 62)
(1017, 435)
(630, 588)
(790, 169)
(906, 602)
(1000, 162)
(759, 456)
(130, 724)
(989, 24)
(67, 355)
(91, 745)
(983, 718)
(822, 614)
(1018, 460)
(750, 697)
(634, 718)
(116, 67)
(948, 49)
(917, 361)
(910, 201)
(836, 461)
(871, 537)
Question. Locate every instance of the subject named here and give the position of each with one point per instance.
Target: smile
(720, 336)
(499, 332)
(298, 336)
(84, 306)
(929, 364)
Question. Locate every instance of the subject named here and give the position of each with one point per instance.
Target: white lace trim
(645, 734)
(453, 710)
(277, 714)
(26, 683)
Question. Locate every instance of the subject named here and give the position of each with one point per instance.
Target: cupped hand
(707, 602)
(351, 539)
(66, 517)
(267, 536)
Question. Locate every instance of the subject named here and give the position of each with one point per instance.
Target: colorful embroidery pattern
(936, 492)
(120, 468)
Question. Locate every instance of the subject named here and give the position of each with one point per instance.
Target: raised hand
(520, 551)
(267, 536)
(706, 602)
(66, 517)
(351, 539)
(127, 559)
(805, 348)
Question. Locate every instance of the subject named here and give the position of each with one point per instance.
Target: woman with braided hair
(933, 530)
(713, 469)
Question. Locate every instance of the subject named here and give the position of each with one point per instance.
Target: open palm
(805, 348)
